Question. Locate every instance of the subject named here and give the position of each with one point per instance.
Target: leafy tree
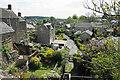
(75, 16)
(52, 19)
(110, 9)
(44, 21)
(83, 18)
(70, 20)
(102, 58)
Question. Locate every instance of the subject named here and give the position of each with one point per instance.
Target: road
(71, 45)
(73, 48)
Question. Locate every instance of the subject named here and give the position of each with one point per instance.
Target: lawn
(37, 73)
(68, 67)
(60, 37)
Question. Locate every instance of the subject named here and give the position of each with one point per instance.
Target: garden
(48, 64)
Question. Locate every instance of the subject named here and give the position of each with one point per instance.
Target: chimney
(19, 14)
(9, 6)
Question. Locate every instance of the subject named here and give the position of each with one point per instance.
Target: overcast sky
(56, 8)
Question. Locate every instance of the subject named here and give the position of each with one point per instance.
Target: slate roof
(48, 25)
(5, 13)
(30, 26)
(4, 28)
(97, 25)
(83, 24)
(88, 32)
(69, 25)
(21, 19)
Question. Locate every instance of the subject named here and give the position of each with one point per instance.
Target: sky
(56, 8)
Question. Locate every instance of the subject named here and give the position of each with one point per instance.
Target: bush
(103, 56)
(57, 56)
(12, 69)
(34, 63)
(48, 54)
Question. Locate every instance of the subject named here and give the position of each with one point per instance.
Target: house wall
(0, 50)
(45, 35)
(19, 27)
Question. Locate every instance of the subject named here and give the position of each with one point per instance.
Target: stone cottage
(46, 33)
(6, 34)
(16, 22)
(86, 35)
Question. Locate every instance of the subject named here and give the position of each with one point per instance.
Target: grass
(60, 39)
(37, 73)
(68, 67)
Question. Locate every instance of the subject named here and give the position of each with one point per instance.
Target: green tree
(75, 16)
(70, 20)
(52, 19)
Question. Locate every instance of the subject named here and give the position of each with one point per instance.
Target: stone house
(90, 26)
(82, 26)
(86, 35)
(46, 33)
(6, 34)
(16, 22)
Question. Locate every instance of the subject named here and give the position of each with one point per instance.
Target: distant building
(86, 35)
(16, 22)
(30, 27)
(46, 33)
(69, 26)
(82, 26)
(101, 29)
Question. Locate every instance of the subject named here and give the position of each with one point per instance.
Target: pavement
(71, 45)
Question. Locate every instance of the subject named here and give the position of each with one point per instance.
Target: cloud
(57, 8)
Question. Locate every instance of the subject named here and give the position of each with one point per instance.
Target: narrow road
(73, 48)
(71, 45)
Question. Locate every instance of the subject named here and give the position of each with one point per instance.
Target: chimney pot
(19, 14)
(9, 6)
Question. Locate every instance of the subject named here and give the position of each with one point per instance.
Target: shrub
(34, 63)
(57, 56)
(103, 56)
(48, 54)
(12, 69)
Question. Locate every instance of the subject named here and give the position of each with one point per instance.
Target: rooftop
(4, 28)
(88, 32)
(6, 13)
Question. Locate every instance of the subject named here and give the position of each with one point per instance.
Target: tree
(103, 57)
(52, 19)
(83, 18)
(44, 21)
(70, 20)
(110, 8)
(75, 16)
